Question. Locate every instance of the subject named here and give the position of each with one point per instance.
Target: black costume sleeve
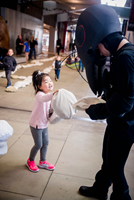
(122, 100)
(98, 111)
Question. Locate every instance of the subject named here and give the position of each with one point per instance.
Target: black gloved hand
(98, 111)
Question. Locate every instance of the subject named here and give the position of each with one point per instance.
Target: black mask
(112, 41)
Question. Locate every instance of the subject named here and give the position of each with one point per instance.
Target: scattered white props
(26, 80)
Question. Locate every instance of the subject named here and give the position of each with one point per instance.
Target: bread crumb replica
(11, 89)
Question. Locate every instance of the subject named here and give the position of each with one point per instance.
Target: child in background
(26, 49)
(81, 66)
(57, 66)
(10, 65)
(39, 120)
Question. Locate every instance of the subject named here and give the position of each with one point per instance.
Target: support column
(2, 12)
(58, 30)
(64, 34)
(52, 44)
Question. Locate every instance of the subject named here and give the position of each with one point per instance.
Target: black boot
(124, 196)
(90, 192)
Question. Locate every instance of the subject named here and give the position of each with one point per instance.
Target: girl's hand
(56, 92)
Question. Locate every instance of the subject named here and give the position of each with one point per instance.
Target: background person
(26, 49)
(19, 45)
(10, 65)
(33, 45)
(58, 46)
(81, 67)
(57, 67)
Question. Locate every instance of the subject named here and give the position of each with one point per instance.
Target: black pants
(116, 148)
(58, 51)
(31, 53)
(8, 74)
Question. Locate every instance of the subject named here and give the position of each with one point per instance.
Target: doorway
(45, 40)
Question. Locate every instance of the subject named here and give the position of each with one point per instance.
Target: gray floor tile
(81, 155)
(16, 178)
(65, 187)
(15, 196)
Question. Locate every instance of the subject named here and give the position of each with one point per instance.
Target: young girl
(39, 120)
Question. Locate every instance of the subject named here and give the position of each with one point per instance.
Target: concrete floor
(75, 146)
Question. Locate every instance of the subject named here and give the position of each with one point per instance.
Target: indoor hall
(75, 145)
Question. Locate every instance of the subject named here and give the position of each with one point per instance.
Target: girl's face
(46, 85)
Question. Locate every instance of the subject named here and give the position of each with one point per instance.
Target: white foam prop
(85, 102)
(14, 76)
(2, 75)
(6, 131)
(62, 102)
(22, 77)
(11, 89)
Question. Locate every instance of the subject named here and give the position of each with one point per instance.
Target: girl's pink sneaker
(31, 165)
(46, 165)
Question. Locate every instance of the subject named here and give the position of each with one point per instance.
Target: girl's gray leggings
(41, 141)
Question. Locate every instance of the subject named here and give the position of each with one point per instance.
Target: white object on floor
(11, 89)
(23, 83)
(3, 147)
(6, 131)
(22, 77)
(2, 74)
(26, 80)
(14, 76)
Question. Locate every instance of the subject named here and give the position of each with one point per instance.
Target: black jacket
(57, 64)
(119, 107)
(9, 63)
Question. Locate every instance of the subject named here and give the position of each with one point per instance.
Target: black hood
(94, 24)
(112, 41)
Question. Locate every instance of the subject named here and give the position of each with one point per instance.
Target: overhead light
(73, 8)
(119, 3)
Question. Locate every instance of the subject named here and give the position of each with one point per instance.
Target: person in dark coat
(19, 45)
(33, 45)
(10, 65)
(58, 46)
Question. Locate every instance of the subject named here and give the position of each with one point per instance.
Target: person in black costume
(119, 107)
(19, 45)
(58, 46)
